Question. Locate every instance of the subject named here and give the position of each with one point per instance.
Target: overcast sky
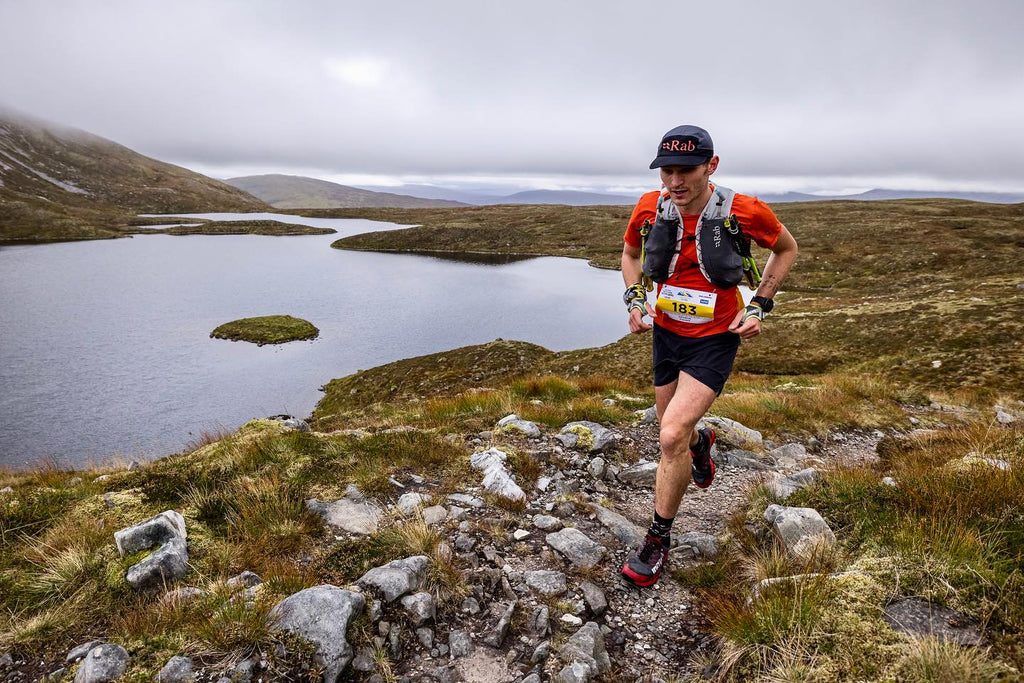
(801, 95)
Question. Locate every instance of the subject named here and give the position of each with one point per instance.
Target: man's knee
(675, 440)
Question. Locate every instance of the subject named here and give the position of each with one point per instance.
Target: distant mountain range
(298, 192)
(596, 198)
(62, 183)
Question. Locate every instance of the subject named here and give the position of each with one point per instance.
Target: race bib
(687, 305)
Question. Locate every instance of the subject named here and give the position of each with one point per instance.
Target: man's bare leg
(680, 407)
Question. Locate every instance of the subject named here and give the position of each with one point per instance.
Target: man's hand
(636, 319)
(747, 329)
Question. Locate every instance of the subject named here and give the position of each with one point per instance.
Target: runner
(697, 325)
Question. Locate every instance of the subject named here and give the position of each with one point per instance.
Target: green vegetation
(205, 227)
(267, 329)
(949, 532)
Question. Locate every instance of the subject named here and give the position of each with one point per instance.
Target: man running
(694, 345)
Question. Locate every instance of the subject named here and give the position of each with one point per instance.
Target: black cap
(684, 146)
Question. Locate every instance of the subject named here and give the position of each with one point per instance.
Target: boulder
(419, 607)
(321, 616)
(497, 479)
(801, 530)
(584, 654)
(103, 663)
(435, 514)
(466, 499)
(576, 547)
(352, 513)
(546, 582)
(620, 527)
(733, 433)
(513, 422)
(784, 487)
(696, 545)
(165, 565)
(594, 597)
(397, 578)
(177, 670)
(547, 522)
(291, 422)
(460, 643)
(591, 436)
(500, 632)
(153, 532)
(409, 502)
(596, 467)
(643, 474)
(921, 619)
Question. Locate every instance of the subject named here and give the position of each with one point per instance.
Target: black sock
(661, 527)
(702, 446)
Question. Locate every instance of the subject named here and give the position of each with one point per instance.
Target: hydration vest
(723, 251)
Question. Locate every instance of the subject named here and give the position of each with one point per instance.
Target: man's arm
(775, 271)
(631, 274)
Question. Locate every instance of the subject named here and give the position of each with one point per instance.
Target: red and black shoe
(703, 467)
(643, 567)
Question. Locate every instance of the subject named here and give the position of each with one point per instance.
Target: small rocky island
(267, 329)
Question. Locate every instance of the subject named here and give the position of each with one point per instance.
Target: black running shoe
(643, 567)
(703, 467)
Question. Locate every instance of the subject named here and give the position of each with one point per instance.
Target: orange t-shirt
(756, 220)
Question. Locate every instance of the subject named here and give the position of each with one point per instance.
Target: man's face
(687, 185)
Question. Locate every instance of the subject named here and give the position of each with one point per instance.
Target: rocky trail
(544, 600)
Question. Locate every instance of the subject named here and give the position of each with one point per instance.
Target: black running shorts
(707, 359)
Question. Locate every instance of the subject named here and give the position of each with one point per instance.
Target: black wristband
(764, 302)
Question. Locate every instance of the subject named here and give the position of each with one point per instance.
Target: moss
(267, 329)
(585, 437)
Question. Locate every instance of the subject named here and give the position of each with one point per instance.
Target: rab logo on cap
(679, 145)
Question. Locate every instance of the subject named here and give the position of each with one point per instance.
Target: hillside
(297, 192)
(59, 183)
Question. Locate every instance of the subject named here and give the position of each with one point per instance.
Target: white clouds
(403, 89)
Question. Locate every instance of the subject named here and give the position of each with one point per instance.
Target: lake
(105, 350)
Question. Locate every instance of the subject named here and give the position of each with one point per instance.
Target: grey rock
(604, 439)
(460, 644)
(426, 637)
(396, 578)
(547, 522)
(246, 579)
(435, 514)
(291, 422)
(620, 527)
(805, 477)
(568, 440)
(153, 532)
(795, 451)
(513, 421)
(585, 647)
(611, 473)
(576, 547)
(543, 483)
(540, 621)
(165, 565)
(74, 481)
(470, 606)
(497, 479)
(467, 500)
(1003, 417)
(103, 663)
(177, 670)
(694, 545)
(6, 491)
(134, 466)
(6, 660)
(464, 543)
(577, 672)
(889, 481)
(546, 582)
(649, 416)
(360, 517)
(321, 615)
(920, 618)
(596, 601)
(734, 433)
(643, 474)
(409, 502)
(746, 460)
(784, 487)
(497, 637)
(596, 467)
(541, 653)
(244, 671)
(801, 530)
(81, 651)
(419, 607)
